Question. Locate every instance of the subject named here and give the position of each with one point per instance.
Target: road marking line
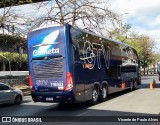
(140, 90)
(135, 92)
(131, 94)
(83, 113)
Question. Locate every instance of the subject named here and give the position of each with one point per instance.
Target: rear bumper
(67, 96)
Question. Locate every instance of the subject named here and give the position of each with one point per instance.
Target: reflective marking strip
(83, 113)
(130, 94)
(140, 90)
(135, 91)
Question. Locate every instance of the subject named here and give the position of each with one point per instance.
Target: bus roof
(103, 37)
(84, 30)
(45, 26)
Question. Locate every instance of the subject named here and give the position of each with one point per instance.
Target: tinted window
(116, 49)
(4, 87)
(113, 72)
(89, 48)
(129, 69)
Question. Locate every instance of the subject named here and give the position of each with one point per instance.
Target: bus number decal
(56, 83)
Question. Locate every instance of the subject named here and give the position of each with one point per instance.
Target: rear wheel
(135, 84)
(103, 93)
(18, 100)
(95, 95)
(131, 85)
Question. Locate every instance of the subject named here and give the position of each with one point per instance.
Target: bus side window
(76, 53)
(113, 72)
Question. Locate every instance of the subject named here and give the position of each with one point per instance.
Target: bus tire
(135, 84)
(131, 86)
(18, 100)
(95, 96)
(103, 93)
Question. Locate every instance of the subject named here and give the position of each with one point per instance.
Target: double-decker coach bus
(158, 70)
(68, 64)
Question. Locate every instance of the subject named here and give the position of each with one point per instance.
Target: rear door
(47, 60)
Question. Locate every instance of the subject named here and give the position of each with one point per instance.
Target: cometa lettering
(45, 52)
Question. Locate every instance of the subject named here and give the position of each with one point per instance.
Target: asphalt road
(140, 102)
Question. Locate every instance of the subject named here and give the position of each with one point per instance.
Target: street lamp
(8, 62)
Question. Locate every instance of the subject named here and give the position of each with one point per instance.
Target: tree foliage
(120, 32)
(90, 14)
(13, 57)
(144, 46)
(8, 3)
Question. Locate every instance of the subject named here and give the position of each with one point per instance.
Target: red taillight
(31, 83)
(69, 82)
(123, 85)
(30, 80)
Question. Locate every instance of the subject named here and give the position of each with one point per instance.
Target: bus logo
(45, 52)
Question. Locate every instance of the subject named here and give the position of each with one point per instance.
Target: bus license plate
(49, 99)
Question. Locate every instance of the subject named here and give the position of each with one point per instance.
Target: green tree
(6, 57)
(144, 46)
(121, 32)
(9, 3)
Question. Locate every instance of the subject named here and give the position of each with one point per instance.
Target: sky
(143, 15)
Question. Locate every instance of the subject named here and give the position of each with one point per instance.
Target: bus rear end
(49, 77)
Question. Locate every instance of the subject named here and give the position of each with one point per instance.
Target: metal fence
(15, 80)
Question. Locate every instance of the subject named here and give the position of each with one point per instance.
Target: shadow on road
(5, 105)
(65, 110)
(147, 86)
(69, 109)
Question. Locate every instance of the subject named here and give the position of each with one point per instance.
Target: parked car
(10, 95)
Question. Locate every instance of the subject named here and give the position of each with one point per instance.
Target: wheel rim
(18, 99)
(95, 95)
(104, 92)
(131, 85)
(135, 84)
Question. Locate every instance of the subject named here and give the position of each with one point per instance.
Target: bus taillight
(31, 83)
(69, 82)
